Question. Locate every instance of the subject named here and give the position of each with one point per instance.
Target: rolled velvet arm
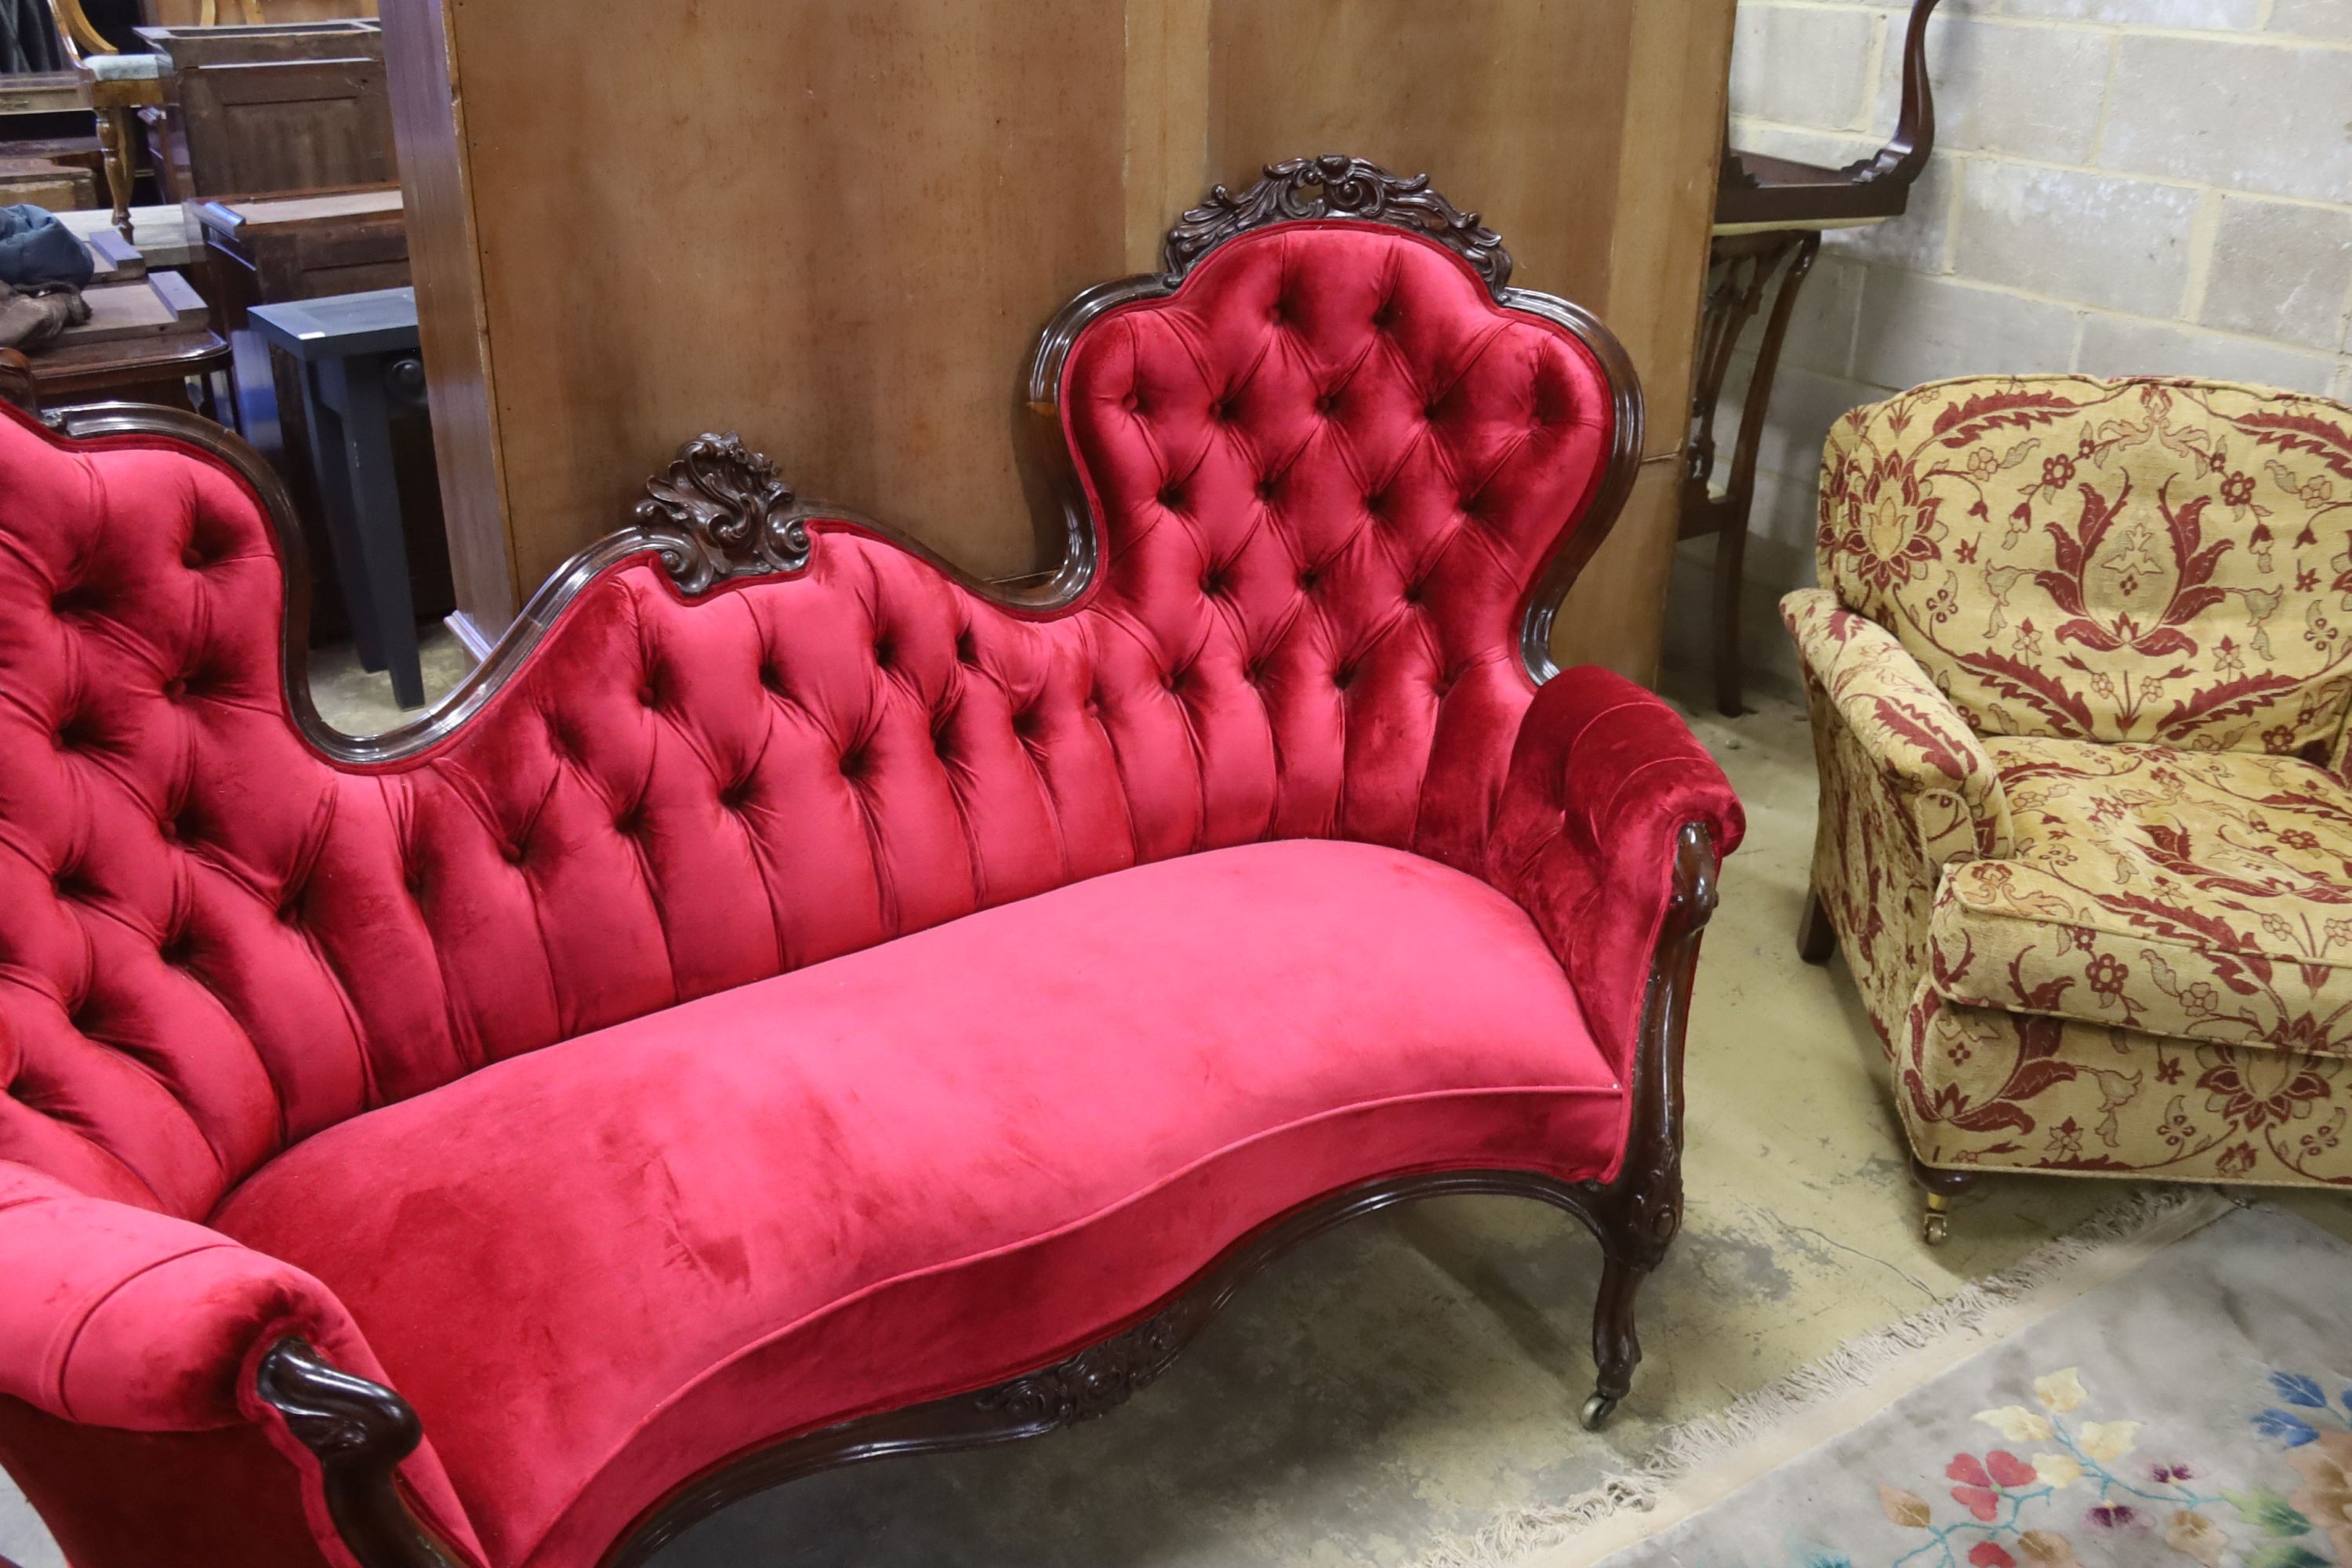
(1603, 778)
(121, 1317)
(1867, 684)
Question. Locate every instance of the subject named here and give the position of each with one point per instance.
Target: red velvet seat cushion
(601, 1266)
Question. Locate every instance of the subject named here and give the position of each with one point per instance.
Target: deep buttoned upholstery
(1327, 472)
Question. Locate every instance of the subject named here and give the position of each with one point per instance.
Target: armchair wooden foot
(1938, 1188)
(1816, 938)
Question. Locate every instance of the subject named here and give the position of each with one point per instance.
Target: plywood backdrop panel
(837, 225)
(830, 224)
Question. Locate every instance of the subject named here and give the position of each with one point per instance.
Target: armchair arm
(1589, 836)
(1865, 684)
(122, 1318)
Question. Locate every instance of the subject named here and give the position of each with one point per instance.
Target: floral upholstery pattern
(1978, 1086)
(2079, 674)
(2187, 893)
(2092, 559)
(1908, 785)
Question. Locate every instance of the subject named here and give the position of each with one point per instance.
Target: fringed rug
(2172, 1385)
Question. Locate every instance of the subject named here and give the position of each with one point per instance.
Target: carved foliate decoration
(1336, 186)
(1096, 1381)
(719, 511)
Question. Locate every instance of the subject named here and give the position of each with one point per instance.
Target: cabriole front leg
(1616, 1341)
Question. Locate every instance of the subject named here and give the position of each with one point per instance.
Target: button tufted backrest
(1327, 471)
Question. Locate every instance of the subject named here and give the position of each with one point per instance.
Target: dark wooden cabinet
(293, 106)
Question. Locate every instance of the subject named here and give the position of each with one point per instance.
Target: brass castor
(1939, 1187)
(1596, 1411)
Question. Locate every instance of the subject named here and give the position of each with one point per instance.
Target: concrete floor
(357, 703)
(1395, 1385)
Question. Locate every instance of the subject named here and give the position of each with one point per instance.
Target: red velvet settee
(796, 1003)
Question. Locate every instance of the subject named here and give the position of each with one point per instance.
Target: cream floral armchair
(2079, 669)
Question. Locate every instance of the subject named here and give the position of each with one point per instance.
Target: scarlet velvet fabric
(1120, 1078)
(1325, 472)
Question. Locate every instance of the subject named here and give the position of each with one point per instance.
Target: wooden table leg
(363, 502)
(1743, 265)
(114, 144)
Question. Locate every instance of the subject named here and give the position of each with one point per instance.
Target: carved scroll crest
(719, 511)
(1336, 186)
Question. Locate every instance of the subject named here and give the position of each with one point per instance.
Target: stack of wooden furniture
(149, 339)
(286, 106)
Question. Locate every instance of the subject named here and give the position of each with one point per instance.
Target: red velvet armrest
(122, 1317)
(1603, 778)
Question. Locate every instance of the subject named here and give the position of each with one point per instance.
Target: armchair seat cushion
(919, 1169)
(2198, 894)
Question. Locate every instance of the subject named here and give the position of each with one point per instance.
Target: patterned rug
(2189, 1402)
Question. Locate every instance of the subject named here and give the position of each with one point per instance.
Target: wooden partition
(837, 225)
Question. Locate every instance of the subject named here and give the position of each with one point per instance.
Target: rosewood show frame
(720, 512)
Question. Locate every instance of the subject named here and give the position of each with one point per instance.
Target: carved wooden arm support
(361, 1431)
(1642, 1210)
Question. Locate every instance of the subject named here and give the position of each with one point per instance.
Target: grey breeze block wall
(2119, 187)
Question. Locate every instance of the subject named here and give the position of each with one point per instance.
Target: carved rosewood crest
(1336, 186)
(719, 511)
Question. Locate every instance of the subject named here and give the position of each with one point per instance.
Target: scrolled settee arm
(1593, 836)
(1862, 679)
(118, 1316)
